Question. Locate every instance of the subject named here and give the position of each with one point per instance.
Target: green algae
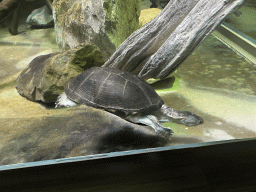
(86, 57)
(11, 83)
(169, 84)
(68, 65)
(177, 129)
(122, 19)
(55, 70)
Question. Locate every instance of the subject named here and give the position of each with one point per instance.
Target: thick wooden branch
(160, 46)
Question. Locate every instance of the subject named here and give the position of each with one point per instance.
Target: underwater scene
(214, 84)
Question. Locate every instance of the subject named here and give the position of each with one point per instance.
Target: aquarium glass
(214, 82)
(244, 19)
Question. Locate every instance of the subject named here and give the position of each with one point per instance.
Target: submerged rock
(79, 131)
(44, 78)
(40, 17)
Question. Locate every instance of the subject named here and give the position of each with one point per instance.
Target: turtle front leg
(182, 117)
(151, 121)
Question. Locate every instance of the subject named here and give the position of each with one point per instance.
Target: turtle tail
(64, 101)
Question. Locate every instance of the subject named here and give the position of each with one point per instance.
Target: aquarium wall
(215, 82)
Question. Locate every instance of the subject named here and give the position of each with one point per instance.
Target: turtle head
(190, 119)
(64, 101)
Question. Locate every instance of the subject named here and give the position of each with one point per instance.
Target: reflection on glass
(244, 19)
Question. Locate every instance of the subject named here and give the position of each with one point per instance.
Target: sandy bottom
(213, 82)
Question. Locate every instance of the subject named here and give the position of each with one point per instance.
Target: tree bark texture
(160, 46)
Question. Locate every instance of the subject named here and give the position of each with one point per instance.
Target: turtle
(121, 92)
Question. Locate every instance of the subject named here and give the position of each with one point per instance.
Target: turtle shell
(109, 88)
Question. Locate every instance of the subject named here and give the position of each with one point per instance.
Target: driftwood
(160, 46)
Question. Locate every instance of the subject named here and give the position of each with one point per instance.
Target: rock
(95, 131)
(40, 17)
(44, 78)
(147, 15)
(103, 23)
(66, 133)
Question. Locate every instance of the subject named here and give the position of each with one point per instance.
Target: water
(245, 19)
(214, 82)
(220, 86)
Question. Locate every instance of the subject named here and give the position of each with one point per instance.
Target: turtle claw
(165, 131)
(151, 121)
(154, 123)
